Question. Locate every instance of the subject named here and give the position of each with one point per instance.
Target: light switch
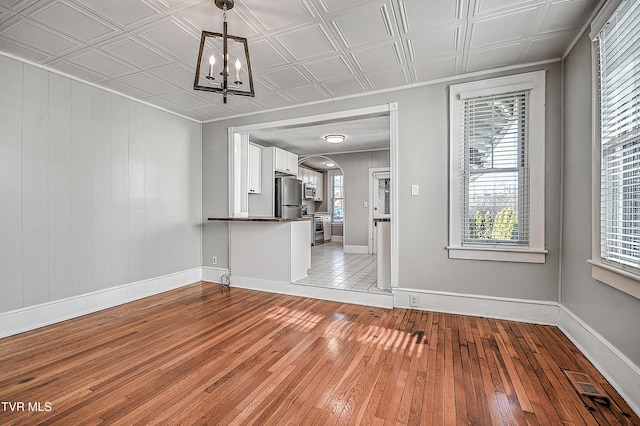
(415, 189)
(365, 204)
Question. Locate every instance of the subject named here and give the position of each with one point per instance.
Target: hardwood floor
(206, 354)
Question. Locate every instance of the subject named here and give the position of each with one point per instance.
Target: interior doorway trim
(338, 115)
(391, 109)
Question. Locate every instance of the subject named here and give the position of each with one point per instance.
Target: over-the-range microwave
(309, 191)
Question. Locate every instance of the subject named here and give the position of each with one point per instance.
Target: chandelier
(217, 52)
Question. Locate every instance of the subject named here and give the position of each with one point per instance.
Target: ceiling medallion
(334, 138)
(216, 51)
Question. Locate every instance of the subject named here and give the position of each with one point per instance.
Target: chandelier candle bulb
(212, 62)
(238, 67)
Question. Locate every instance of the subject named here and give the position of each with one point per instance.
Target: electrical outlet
(414, 300)
(214, 260)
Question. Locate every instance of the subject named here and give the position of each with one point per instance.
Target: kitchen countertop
(257, 219)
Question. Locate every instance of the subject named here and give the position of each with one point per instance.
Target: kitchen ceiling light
(227, 48)
(329, 164)
(334, 138)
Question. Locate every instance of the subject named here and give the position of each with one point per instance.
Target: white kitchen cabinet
(326, 227)
(303, 174)
(286, 162)
(292, 162)
(254, 184)
(319, 182)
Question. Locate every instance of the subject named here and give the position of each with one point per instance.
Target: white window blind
(337, 199)
(619, 54)
(495, 169)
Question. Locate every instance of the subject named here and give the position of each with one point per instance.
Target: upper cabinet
(319, 181)
(285, 162)
(303, 174)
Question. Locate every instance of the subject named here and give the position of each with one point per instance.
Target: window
(337, 198)
(617, 139)
(497, 169)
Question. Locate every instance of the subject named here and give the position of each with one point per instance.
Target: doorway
(296, 129)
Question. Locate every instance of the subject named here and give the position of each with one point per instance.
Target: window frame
(332, 181)
(535, 251)
(619, 277)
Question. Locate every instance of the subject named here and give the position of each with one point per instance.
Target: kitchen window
(616, 254)
(497, 169)
(337, 198)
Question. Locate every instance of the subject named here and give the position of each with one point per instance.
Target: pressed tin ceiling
(302, 51)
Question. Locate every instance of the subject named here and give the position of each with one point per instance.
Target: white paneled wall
(96, 190)
(11, 185)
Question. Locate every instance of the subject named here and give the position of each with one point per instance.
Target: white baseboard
(532, 311)
(213, 275)
(356, 249)
(331, 294)
(619, 370)
(32, 317)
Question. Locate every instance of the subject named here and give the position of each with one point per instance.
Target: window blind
(495, 204)
(337, 183)
(619, 54)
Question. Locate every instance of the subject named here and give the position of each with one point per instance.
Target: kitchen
(296, 189)
(315, 202)
(260, 155)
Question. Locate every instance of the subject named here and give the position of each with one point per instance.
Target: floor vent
(586, 386)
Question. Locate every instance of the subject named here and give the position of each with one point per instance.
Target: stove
(318, 231)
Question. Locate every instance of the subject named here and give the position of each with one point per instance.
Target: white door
(381, 195)
(379, 201)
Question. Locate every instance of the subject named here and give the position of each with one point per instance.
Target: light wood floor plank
(206, 354)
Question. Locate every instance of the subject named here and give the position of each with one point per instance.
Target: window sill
(624, 281)
(498, 254)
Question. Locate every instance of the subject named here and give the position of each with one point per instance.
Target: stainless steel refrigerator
(288, 201)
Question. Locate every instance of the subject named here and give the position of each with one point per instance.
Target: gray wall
(215, 194)
(613, 314)
(95, 190)
(355, 167)
(423, 220)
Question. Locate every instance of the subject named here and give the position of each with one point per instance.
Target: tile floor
(332, 267)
